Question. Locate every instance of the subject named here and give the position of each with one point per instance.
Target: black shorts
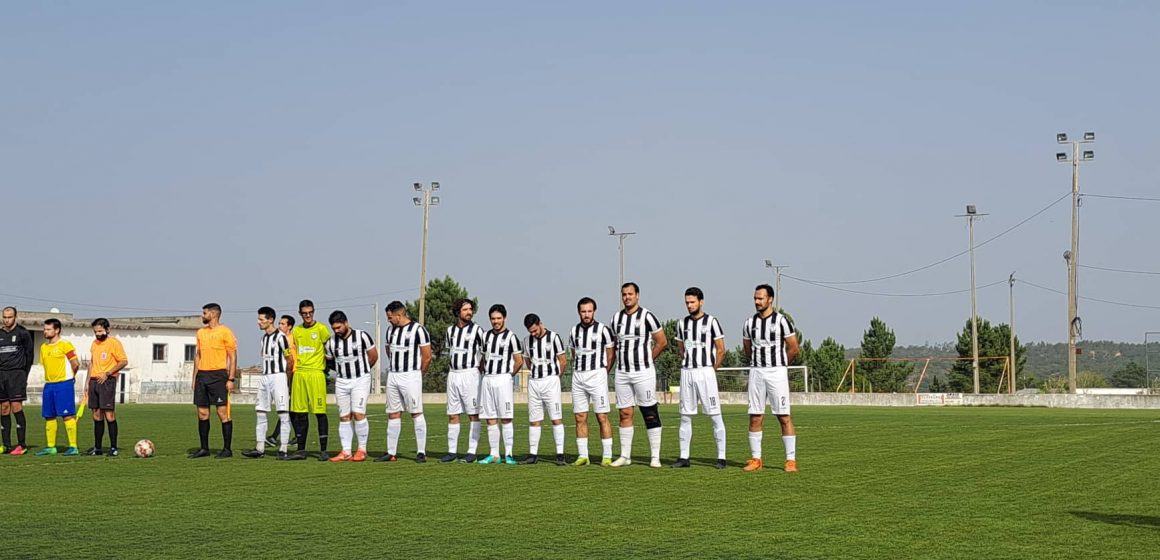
(13, 386)
(210, 388)
(103, 396)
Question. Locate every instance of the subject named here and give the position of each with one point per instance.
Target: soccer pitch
(874, 483)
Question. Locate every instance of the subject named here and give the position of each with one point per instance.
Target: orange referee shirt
(212, 346)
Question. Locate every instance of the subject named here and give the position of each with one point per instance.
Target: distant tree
(1131, 375)
(878, 342)
(668, 364)
(994, 340)
(1090, 380)
(441, 293)
(827, 364)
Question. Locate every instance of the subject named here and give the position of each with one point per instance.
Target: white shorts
(769, 385)
(463, 392)
(405, 392)
(636, 389)
(544, 394)
(590, 386)
(352, 394)
(699, 385)
(496, 398)
(274, 390)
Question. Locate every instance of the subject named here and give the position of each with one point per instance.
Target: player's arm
(231, 368)
(518, 363)
(373, 355)
(720, 345)
(292, 358)
(196, 366)
(73, 361)
(660, 342)
(791, 348)
(27, 349)
(561, 355)
(425, 356)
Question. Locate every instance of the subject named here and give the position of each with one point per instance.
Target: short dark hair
(337, 316)
(497, 308)
(458, 306)
(12, 308)
(100, 322)
(212, 307)
(396, 306)
(695, 292)
(531, 319)
(267, 312)
(289, 320)
(54, 322)
(768, 289)
(584, 300)
(304, 304)
(635, 288)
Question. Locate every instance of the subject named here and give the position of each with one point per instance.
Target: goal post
(855, 378)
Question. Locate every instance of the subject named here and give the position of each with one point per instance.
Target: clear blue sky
(161, 156)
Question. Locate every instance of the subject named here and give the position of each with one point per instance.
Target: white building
(160, 351)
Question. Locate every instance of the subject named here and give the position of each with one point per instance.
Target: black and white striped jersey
(634, 339)
(698, 336)
(463, 345)
(499, 352)
(403, 344)
(349, 354)
(543, 354)
(767, 337)
(275, 347)
(589, 346)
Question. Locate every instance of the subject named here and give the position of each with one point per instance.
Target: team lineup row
(296, 359)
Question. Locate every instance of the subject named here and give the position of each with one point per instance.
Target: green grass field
(874, 483)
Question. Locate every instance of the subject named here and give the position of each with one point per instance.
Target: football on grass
(143, 449)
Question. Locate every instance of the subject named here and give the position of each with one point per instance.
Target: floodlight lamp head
(434, 186)
(1061, 157)
(971, 210)
(611, 230)
(418, 201)
(434, 201)
(418, 186)
(1067, 256)
(1089, 137)
(1061, 138)
(768, 263)
(1089, 155)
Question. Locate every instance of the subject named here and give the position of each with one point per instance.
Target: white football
(143, 449)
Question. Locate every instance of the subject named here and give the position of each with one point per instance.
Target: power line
(884, 294)
(1120, 197)
(57, 302)
(950, 258)
(1125, 271)
(1107, 301)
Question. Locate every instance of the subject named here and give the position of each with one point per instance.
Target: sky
(158, 156)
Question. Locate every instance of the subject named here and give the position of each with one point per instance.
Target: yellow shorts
(308, 392)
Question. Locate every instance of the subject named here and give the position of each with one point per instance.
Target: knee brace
(652, 418)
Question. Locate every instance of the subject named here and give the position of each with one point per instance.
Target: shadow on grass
(1141, 521)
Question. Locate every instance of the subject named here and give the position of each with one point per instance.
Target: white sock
(453, 438)
(362, 428)
(509, 437)
(473, 437)
(558, 435)
(345, 435)
(790, 447)
(685, 434)
(394, 426)
(283, 431)
(755, 444)
(606, 445)
(261, 431)
(493, 439)
(533, 440)
(582, 446)
(626, 442)
(421, 433)
(719, 435)
(654, 442)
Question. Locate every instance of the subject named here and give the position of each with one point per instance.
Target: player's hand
(229, 386)
(102, 378)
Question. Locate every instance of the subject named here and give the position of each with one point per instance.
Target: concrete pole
(974, 314)
(1011, 359)
(423, 263)
(1072, 270)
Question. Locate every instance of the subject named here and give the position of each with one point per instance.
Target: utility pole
(621, 235)
(1072, 256)
(777, 282)
(1011, 329)
(378, 344)
(971, 215)
(425, 202)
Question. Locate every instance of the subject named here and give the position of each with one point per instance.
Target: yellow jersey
(311, 346)
(55, 360)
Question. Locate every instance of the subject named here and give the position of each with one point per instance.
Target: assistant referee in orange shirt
(215, 368)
